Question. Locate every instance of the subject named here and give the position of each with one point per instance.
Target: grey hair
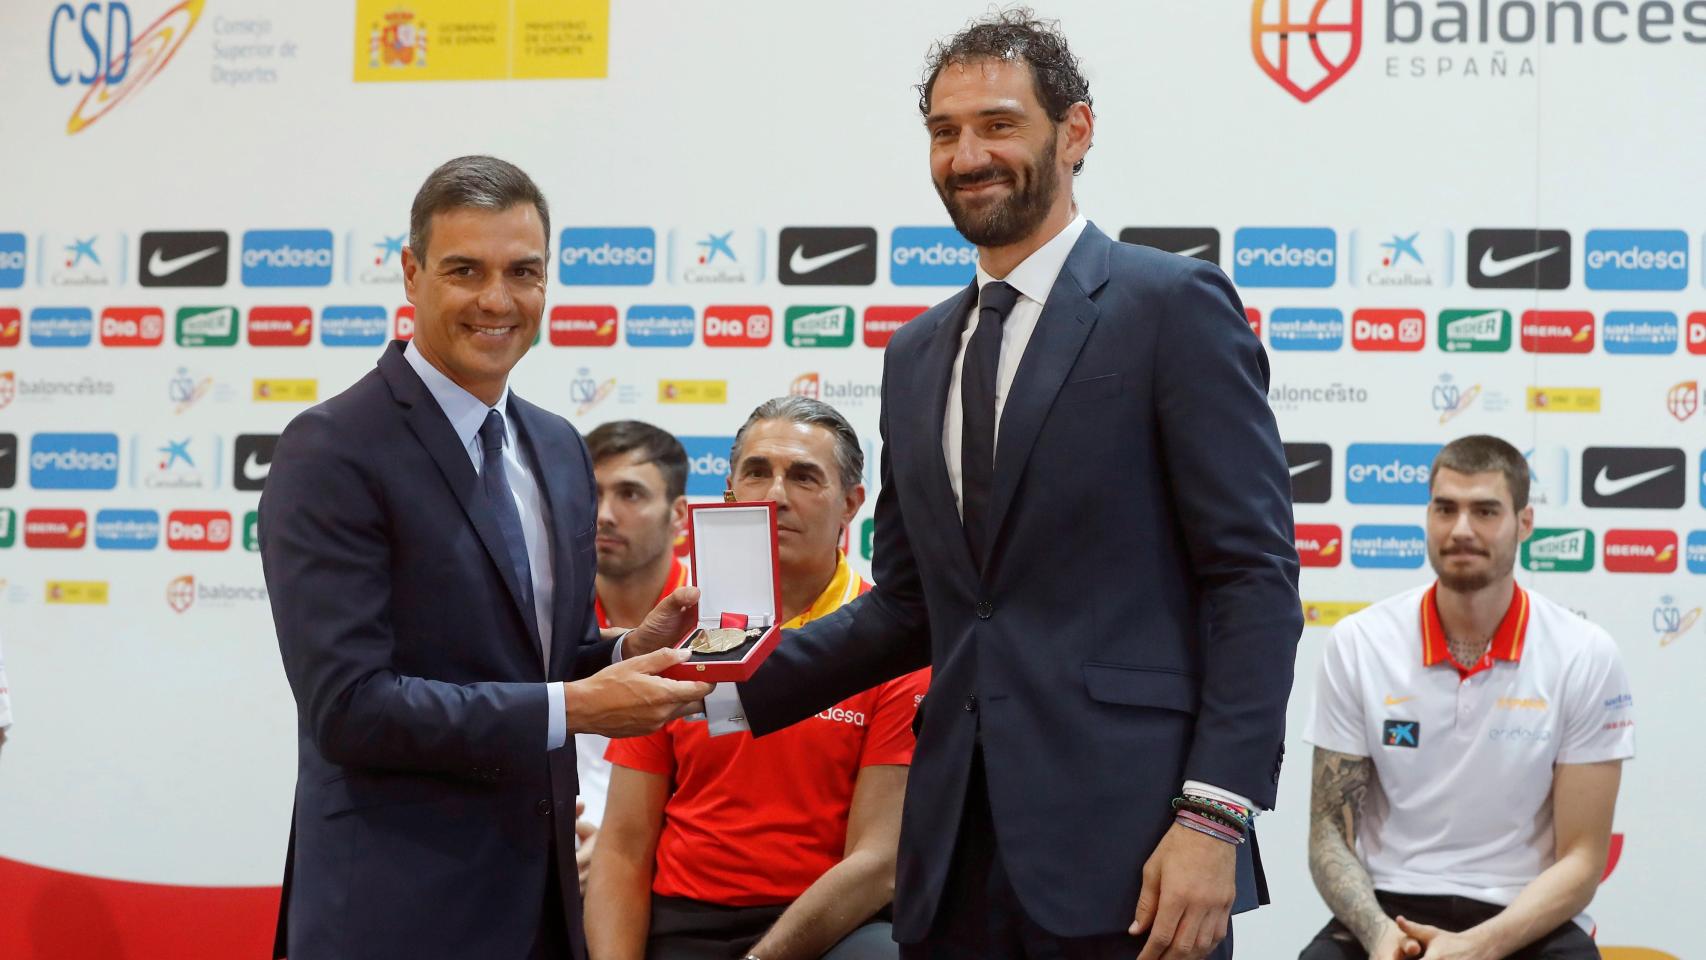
(473, 181)
(849, 456)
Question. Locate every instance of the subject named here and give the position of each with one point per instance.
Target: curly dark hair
(1015, 34)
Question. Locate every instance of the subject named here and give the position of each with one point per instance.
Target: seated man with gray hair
(719, 845)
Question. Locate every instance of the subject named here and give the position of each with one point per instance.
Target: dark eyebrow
(534, 260)
(457, 260)
(986, 112)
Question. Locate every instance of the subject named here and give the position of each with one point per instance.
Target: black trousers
(980, 916)
(552, 940)
(684, 929)
(1336, 942)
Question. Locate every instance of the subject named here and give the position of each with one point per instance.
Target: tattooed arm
(1340, 782)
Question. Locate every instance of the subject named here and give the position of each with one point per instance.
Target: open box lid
(734, 559)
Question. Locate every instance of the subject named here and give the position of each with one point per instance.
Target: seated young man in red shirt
(717, 845)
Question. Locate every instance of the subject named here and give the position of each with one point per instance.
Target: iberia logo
(135, 64)
(1309, 55)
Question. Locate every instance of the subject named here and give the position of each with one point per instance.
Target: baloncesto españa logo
(1305, 46)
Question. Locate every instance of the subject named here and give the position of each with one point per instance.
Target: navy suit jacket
(1136, 620)
(426, 802)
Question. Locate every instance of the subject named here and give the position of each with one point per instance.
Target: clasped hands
(629, 699)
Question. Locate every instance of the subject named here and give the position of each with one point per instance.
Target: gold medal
(718, 640)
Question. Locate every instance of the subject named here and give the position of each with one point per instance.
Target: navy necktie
(978, 371)
(494, 483)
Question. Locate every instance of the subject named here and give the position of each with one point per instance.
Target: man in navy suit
(1084, 526)
(428, 544)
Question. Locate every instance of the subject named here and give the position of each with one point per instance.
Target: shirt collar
(1507, 643)
(843, 587)
(465, 411)
(1034, 277)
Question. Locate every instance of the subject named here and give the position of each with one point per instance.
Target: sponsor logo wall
(152, 350)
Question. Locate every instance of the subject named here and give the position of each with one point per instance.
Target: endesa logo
(1388, 547)
(882, 322)
(1285, 257)
(61, 327)
(1557, 331)
(1306, 328)
(116, 64)
(1318, 544)
(1388, 473)
(74, 461)
(1640, 551)
(1650, 332)
(287, 258)
(133, 326)
(1636, 260)
(583, 326)
(14, 257)
(660, 326)
(198, 530)
(280, 326)
(351, 326)
(739, 326)
(56, 529)
(127, 530)
(930, 257)
(1389, 330)
(607, 256)
(707, 464)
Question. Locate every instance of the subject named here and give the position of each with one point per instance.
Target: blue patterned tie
(978, 372)
(494, 483)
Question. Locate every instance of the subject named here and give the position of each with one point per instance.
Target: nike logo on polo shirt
(1493, 267)
(800, 263)
(1605, 486)
(1392, 701)
(161, 267)
(1302, 467)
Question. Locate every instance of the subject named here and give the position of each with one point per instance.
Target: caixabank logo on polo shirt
(1401, 733)
(287, 258)
(1635, 260)
(1388, 473)
(1640, 551)
(707, 464)
(1388, 547)
(1559, 550)
(1319, 544)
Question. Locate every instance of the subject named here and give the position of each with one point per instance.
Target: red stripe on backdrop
(68, 916)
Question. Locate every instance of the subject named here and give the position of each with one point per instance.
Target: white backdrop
(157, 745)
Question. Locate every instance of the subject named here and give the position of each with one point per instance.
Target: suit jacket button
(543, 808)
(985, 609)
(971, 703)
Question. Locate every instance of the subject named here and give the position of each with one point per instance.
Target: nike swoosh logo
(1607, 487)
(1300, 468)
(253, 469)
(162, 267)
(800, 263)
(1491, 266)
(1392, 701)
(1192, 251)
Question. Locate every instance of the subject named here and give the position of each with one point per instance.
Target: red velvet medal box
(739, 581)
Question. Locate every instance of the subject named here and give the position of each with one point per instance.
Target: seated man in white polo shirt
(1469, 738)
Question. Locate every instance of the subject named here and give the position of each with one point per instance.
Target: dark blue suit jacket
(426, 803)
(1136, 621)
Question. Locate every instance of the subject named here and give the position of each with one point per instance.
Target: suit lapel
(944, 346)
(434, 432)
(1067, 319)
(551, 459)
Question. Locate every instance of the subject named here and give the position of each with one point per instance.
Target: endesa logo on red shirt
(1319, 544)
(198, 530)
(11, 326)
(1392, 330)
(56, 529)
(583, 326)
(403, 325)
(280, 326)
(738, 326)
(1557, 331)
(882, 322)
(132, 326)
(1695, 335)
(1640, 551)
(1253, 317)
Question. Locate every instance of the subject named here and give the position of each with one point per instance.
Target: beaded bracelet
(1228, 833)
(1214, 809)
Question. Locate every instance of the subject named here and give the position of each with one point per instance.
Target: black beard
(1012, 219)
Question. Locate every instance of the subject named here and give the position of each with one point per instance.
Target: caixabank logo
(95, 46)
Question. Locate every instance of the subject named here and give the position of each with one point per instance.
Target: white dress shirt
(466, 413)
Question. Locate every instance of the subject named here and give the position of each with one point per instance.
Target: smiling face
(1473, 530)
(794, 465)
(479, 293)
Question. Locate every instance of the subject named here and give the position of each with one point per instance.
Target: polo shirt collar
(1507, 642)
(843, 587)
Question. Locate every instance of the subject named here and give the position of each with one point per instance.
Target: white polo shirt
(1461, 801)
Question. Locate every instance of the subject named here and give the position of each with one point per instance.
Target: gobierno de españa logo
(1305, 46)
